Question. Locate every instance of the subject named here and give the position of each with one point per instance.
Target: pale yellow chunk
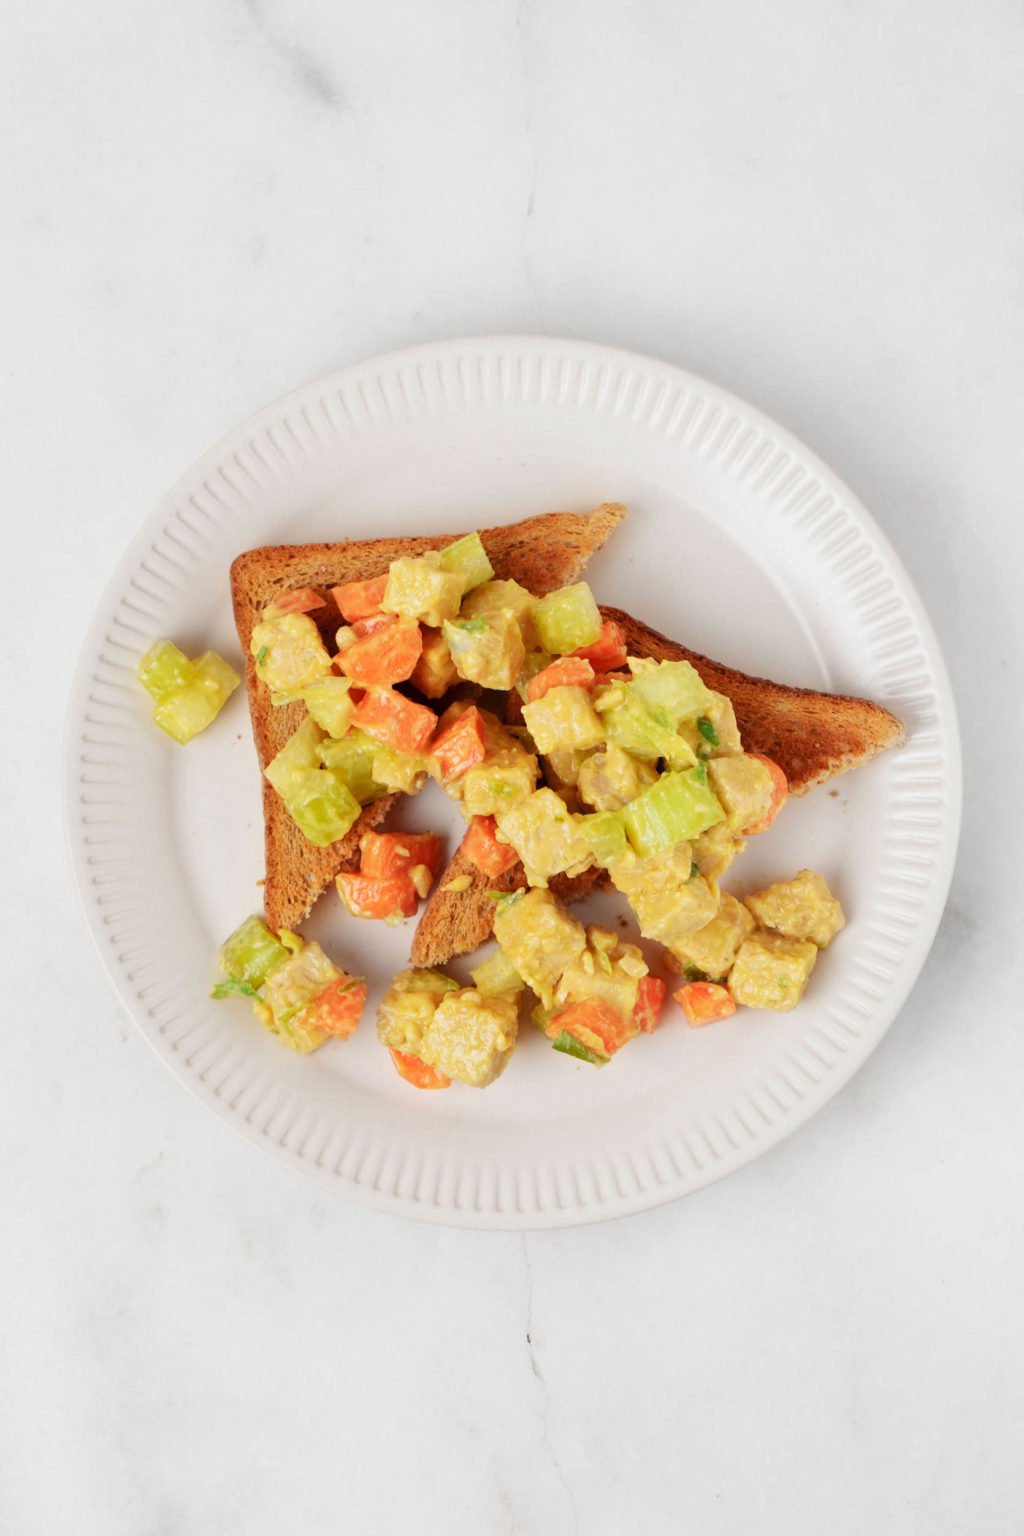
(713, 948)
(715, 850)
(504, 597)
(744, 787)
(540, 938)
(608, 969)
(564, 720)
(772, 971)
(546, 838)
(289, 652)
(801, 908)
(489, 651)
(505, 778)
(611, 779)
(668, 901)
(419, 588)
(471, 1037)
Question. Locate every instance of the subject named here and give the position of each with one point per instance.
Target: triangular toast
(540, 552)
(812, 736)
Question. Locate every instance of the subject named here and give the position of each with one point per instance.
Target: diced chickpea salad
(621, 762)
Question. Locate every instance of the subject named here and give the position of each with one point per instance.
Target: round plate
(739, 543)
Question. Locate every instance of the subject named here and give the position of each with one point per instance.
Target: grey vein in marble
(308, 72)
(541, 1380)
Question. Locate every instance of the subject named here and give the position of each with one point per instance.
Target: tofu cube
(772, 971)
(564, 720)
(744, 788)
(471, 1036)
(713, 948)
(715, 850)
(540, 938)
(419, 588)
(801, 908)
(545, 836)
(669, 901)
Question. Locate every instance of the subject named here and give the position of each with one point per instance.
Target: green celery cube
(566, 619)
(164, 669)
(468, 559)
(676, 808)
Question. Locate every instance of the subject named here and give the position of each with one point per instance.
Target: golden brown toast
(812, 736)
(539, 552)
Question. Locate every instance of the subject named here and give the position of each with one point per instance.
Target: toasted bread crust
(540, 552)
(813, 737)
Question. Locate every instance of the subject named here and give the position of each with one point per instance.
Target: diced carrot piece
(337, 1009)
(780, 794)
(302, 600)
(704, 1002)
(387, 654)
(461, 745)
(417, 1072)
(368, 896)
(360, 599)
(566, 672)
(385, 854)
(393, 719)
(608, 650)
(595, 1024)
(650, 999)
(484, 850)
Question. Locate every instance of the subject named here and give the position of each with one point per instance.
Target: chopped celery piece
(570, 1046)
(398, 770)
(468, 559)
(631, 726)
(164, 669)
(672, 691)
(187, 712)
(215, 677)
(252, 952)
(707, 730)
(351, 759)
(233, 989)
(605, 835)
(424, 981)
(330, 704)
(675, 809)
(299, 755)
(497, 974)
(322, 806)
(566, 619)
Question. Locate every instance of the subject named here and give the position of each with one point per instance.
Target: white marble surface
(817, 204)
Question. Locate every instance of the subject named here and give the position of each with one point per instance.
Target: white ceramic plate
(741, 544)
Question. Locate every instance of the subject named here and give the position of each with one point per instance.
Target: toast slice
(812, 736)
(539, 552)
